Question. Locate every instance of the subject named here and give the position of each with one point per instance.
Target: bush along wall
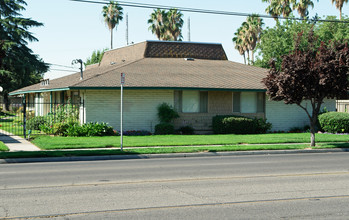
(334, 122)
(166, 115)
(232, 124)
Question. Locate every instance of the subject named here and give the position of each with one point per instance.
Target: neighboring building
(195, 78)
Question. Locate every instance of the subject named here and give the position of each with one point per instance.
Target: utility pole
(126, 28)
(188, 28)
(121, 110)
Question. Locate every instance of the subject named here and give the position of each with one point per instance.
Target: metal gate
(12, 117)
(22, 118)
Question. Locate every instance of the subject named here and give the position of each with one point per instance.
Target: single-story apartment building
(197, 79)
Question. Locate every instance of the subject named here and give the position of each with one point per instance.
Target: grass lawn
(12, 124)
(48, 142)
(161, 150)
(3, 147)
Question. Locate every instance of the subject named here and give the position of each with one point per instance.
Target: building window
(188, 101)
(248, 102)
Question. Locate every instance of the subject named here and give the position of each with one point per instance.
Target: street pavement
(290, 186)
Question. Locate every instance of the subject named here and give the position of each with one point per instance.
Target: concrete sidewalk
(16, 143)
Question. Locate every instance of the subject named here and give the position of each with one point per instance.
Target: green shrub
(164, 128)
(187, 130)
(262, 126)
(335, 122)
(231, 124)
(166, 113)
(90, 129)
(35, 122)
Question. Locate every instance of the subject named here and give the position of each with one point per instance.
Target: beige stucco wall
(284, 117)
(140, 111)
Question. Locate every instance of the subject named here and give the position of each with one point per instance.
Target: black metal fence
(22, 118)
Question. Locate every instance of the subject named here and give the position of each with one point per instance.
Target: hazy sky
(73, 30)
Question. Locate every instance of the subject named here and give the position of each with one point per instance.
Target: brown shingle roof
(144, 70)
(163, 49)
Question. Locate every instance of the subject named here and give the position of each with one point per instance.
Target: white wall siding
(283, 117)
(140, 107)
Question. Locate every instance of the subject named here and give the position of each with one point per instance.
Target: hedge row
(232, 124)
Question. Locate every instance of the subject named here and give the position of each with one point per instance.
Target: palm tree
(302, 7)
(112, 14)
(156, 21)
(253, 27)
(339, 6)
(239, 43)
(247, 36)
(166, 25)
(174, 24)
(277, 8)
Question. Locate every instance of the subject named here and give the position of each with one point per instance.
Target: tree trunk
(252, 53)
(248, 57)
(312, 136)
(111, 39)
(244, 58)
(340, 14)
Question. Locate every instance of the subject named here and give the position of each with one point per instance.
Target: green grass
(3, 147)
(161, 150)
(48, 142)
(12, 125)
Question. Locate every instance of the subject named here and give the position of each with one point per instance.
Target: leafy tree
(329, 31)
(112, 14)
(96, 57)
(339, 5)
(19, 67)
(166, 25)
(310, 73)
(278, 41)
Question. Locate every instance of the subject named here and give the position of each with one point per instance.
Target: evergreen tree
(19, 67)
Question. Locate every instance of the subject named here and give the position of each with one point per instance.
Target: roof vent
(112, 63)
(45, 82)
(189, 59)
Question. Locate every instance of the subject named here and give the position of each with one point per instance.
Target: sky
(73, 30)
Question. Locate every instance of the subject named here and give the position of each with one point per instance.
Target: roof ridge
(105, 72)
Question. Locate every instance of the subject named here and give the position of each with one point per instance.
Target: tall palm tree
(339, 5)
(247, 36)
(112, 14)
(174, 24)
(156, 21)
(302, 7)
(253, 27)
(239, 43)
(277, 8)
(166, 25)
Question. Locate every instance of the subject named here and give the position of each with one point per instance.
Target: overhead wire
(205, 11)
(52, 64)
(72, 71)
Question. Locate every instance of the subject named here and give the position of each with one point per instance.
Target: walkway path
(16, 143)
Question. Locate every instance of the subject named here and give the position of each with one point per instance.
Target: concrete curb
(172, 155)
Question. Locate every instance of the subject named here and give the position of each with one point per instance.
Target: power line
(205, 11)
(72, 71)
(52, 64)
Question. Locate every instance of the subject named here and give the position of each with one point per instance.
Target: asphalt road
(291, 186)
